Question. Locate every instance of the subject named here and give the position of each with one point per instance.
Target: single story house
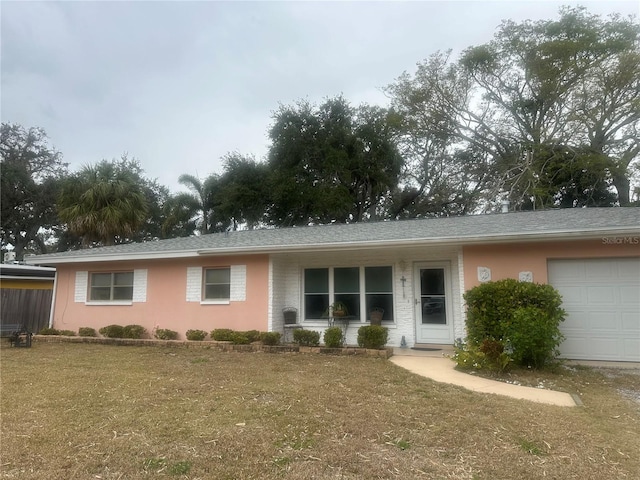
(415, 270)
(26, 292)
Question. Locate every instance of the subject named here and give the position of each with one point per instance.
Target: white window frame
(111, 301)
(215, 301)
(363, 291)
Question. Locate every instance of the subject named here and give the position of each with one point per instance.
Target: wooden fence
(27, 307)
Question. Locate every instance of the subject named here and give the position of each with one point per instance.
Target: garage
(602, 300)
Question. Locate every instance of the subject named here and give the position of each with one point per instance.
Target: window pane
(316, 306)
(123, 278)
(384, 301)
(346, 280)
(218, 275)
(434, 311)
(101, 279)
(100, 293)
(432, 281)
(351, 301)
(316, 280)
(122, 293)
(378, 279)
(217, 292)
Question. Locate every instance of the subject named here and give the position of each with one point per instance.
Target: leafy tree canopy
(30, 173)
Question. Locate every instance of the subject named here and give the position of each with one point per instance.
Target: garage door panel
(573, 295)
(602, 300)
(603, 321)
(629, 295)
(600, 295)
(628, 271)
(602, 269)
(630, 322)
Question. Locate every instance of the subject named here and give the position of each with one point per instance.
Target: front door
(434, 322)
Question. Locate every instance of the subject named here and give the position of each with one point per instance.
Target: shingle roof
(514, 226)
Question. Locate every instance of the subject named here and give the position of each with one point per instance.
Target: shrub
(490, 306)
(133, 331)
(533, 336)
(372, 336)
(197, 335)
(487, 356)
(333, 337)
(271, 338)
(87, 332)
(253, 335)
(240, 338)
(67, 333)
(49, 331)
(222, 334)
(521, 318)
(306, 338)
(112, 331)
(165, 334)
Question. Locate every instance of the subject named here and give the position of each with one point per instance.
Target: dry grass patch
(75, 411)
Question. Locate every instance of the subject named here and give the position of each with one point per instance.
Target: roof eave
(330, 247)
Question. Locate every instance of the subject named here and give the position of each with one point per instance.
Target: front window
(111, 286)
(217, 284)
(360, 289)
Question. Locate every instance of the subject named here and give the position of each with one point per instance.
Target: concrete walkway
(433, 365)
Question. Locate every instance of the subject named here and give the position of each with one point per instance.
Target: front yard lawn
(80, 411)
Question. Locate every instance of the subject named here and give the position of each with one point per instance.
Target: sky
(177, 85)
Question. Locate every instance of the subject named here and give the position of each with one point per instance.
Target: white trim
(586, 234)
(215, 302)
(53, 299)
(105, 302)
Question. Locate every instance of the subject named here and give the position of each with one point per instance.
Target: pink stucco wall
(508, 260)
(166, 305)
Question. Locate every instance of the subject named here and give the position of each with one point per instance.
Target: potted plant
(375, 315)
(338, 309)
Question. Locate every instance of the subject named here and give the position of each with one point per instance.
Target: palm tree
(200, 200)
(104, 203)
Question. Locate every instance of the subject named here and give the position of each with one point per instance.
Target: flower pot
(376, 316)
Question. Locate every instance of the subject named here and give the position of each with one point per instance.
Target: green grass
(76, 411)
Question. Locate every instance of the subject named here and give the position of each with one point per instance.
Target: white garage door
(602, 299)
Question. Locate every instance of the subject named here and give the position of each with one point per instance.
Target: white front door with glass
(434, 321)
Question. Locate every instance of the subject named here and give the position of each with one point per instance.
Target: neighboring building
(25, 295)
(416, 270)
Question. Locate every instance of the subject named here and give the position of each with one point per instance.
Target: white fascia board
(440, 241)
(113, 257)
(331, 247)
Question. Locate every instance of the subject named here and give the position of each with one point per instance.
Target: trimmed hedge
(134, 331)
(87, 332)
(373, 336)
(333, 337)
(165, 334)
(112, 331)
(306, 338)
(196, 335)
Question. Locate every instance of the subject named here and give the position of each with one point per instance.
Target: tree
(242, 194)
(330, 163)
(197, 203)
(441, 175)
(105, 203)
(568, 84)
(539, 94)
(30, 174)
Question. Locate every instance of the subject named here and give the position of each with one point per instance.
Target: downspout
(53, 298)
